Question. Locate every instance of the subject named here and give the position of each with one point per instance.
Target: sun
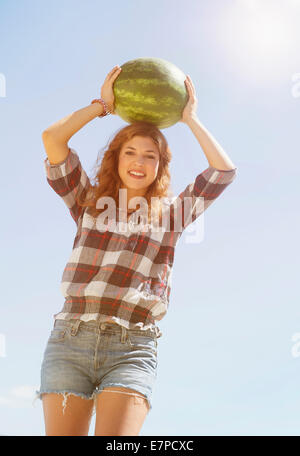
(259, 37)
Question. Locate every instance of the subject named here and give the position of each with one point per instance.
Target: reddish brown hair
(107, 181)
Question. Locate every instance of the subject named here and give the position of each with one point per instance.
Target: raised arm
(56, 137)
(216, 156)
(209, 184)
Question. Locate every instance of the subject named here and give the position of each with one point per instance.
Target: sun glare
(259, 36)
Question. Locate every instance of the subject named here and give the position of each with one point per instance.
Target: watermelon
(151, 90)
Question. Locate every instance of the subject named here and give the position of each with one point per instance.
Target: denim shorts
(82, 358)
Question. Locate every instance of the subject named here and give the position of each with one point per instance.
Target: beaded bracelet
(106, 111)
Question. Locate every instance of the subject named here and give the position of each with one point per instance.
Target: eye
(130, 152)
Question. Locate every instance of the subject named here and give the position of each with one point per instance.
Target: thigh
(118, 413)
(66, 414)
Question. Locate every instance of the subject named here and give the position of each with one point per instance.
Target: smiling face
(140, 154)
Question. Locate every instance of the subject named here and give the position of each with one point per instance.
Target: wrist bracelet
(106, 110)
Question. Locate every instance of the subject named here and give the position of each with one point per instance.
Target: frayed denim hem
(110, 385)
(38, 395)
(93, 396)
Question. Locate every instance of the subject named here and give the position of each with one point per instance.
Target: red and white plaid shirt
(118, 275)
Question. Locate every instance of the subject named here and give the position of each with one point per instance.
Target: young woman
(102, 350)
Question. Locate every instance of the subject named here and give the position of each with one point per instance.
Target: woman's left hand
(190, 109)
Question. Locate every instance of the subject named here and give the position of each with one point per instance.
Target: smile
(135, 176)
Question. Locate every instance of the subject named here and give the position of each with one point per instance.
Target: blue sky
(229, 356)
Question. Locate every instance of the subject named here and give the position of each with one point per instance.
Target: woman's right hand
(107, 93)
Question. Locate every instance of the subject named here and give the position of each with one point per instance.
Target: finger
(111, 72)
(188, 85)
(117, 72)
(191, 82)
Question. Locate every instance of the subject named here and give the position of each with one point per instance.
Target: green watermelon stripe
(166, 101)
(150, 89)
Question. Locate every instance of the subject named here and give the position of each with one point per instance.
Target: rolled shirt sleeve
(68, 179)
(199, 195)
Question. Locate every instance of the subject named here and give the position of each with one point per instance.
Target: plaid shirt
(124, 276)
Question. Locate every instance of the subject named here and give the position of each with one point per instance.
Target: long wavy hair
(107, 181)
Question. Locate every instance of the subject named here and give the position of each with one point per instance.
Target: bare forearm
(215, 155)
(65, 128)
